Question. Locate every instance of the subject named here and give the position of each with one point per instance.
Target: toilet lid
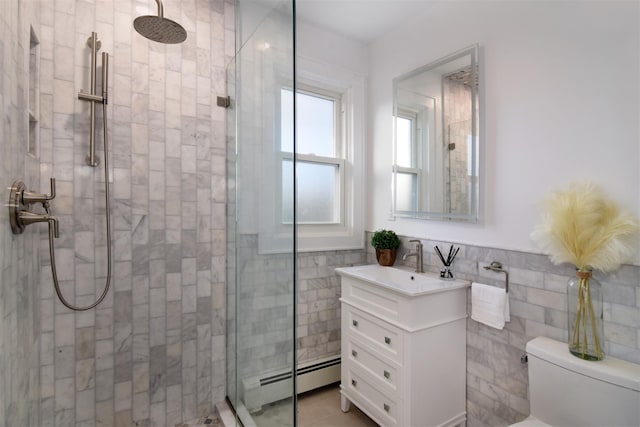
(530, 422)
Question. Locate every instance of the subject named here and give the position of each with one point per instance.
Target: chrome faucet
(417, 254)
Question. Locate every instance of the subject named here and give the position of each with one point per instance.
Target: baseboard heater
(274, 386)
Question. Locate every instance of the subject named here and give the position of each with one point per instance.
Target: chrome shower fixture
(92, 160)
(20, 213)
(160, 29)
(94, 44)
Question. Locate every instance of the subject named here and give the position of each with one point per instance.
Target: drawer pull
(355, 323)
(354, 383)
(386, 407)
(387, 340)
(387, 374)
(354, 353)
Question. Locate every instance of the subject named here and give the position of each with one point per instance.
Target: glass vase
(584, 306)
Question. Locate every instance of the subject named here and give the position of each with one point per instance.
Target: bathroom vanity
(403, 346)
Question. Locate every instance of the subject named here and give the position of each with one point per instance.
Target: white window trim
(326, 237)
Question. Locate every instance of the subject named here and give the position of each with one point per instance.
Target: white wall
(320, 46)
(561, 85)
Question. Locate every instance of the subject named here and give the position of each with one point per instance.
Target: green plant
(385, 239)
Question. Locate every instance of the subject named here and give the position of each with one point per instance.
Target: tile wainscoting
(497, 381)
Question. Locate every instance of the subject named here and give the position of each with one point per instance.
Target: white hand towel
(489, 305)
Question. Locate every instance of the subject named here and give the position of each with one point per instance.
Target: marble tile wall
(19, 275)
(497, 382)
(264, 310)
(152, 353)
(265, 307)
(318, 332)
(458, 127)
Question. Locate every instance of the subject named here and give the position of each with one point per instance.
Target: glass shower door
(260, 232)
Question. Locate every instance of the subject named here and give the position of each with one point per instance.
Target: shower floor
(210, 421)
(316, 408)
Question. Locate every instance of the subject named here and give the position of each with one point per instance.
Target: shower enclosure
(261, 248)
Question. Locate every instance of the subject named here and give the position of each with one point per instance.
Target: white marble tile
(173, 113)
(156, 185)
(157, 96)
(188, 155)
(62, 35)
(47, 381)
(85, 405)
(157, 329)
(65, 394)
(64, 330)
(123, 396)
(85, 378)
(174, 286)
(122, 28)
(555, 300)
(188, 107)
(173, 146)
(141, 406)
(121, 93)
(173, 85)
(189, 299)
(104, 355)
(157, 302)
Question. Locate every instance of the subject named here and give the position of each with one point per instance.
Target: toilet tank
(567, 391)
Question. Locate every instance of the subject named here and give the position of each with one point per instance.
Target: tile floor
(321, 408)
(317, 408)
(210, 421)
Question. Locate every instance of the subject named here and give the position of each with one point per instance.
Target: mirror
(435, 162)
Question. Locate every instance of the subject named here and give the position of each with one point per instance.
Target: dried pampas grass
(581, 227)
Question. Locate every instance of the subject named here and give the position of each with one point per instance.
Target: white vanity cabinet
(403, 346)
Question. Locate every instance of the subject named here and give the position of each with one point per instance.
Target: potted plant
(386, 243)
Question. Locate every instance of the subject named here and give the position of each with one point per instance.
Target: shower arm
(160, 9)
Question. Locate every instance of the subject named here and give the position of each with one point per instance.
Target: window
(320, 164)
(330, 198)
(407, 162)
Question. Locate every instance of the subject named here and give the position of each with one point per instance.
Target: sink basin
(401, 280)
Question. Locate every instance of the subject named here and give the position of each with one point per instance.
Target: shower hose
(54, 273)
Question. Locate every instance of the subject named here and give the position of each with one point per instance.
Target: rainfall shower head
(160, 29)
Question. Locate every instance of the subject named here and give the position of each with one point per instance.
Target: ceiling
(363, 20)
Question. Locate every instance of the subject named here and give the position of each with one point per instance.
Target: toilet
(567, 391)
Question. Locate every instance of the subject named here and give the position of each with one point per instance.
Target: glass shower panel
(260, 245)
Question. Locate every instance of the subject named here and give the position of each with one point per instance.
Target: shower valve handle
(26, 218)
(30, 197)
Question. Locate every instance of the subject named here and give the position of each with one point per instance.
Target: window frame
(338, 150)
(416, 169)
(349, 234)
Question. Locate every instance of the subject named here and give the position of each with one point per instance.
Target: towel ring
(497, 267)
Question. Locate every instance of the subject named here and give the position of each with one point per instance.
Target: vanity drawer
(374, 364)
(377, 333)
(367, 397)
(373, 299)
